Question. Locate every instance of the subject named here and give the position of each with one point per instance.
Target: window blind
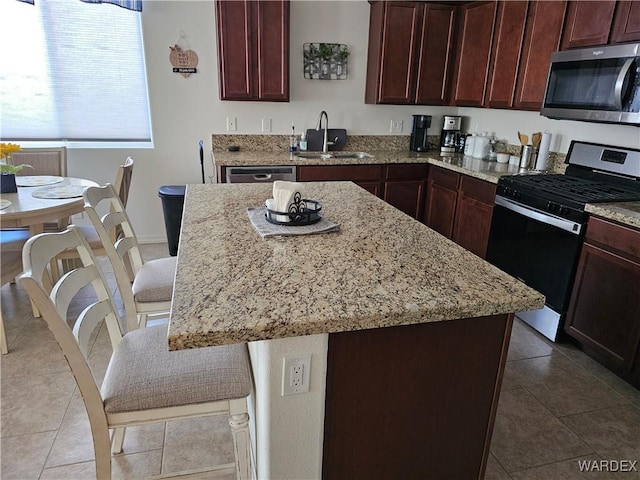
(72, 71)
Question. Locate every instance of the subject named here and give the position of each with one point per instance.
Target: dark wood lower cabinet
(405, 188)
(415, 401)
(460, 207)
(442, 195)
(474, 211)
(401, 185)
(604, 314)
(368, 177)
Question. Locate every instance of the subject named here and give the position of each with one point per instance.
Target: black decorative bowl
(302, 211)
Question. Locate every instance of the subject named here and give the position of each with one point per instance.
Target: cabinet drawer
(623, 239)
(407, 171)
(478, 189)
(330, 173)
(444, 178)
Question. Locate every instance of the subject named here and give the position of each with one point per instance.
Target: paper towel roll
(542, 163)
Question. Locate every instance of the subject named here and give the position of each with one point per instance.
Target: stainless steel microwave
(598, 84)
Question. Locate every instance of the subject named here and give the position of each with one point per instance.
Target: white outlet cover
(293, 383)
(231, 124)
(396, 126)
(266, 125)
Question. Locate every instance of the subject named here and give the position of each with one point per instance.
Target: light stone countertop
(622, 212)
(382, 268)
(482, 169)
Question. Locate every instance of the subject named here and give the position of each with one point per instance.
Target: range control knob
(552, 207)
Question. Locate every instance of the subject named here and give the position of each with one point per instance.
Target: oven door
(539, 249)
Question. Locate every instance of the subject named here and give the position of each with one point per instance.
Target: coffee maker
(450, 136)
(419, 140)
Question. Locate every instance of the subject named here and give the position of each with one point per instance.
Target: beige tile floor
(557, 407)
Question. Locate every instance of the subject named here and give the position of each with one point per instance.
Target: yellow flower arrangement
(6, 149)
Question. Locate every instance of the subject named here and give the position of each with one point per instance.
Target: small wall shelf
(325, 61)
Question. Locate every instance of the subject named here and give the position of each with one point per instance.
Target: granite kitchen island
(407, 332)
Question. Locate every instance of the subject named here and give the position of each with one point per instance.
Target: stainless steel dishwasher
(261, 174)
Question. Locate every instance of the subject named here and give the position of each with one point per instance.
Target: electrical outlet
(296, 374)
(396, 126)
(231, 124)
(266, 125)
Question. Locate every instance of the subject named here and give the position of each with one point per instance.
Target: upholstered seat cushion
(154, 281)
(143, 374)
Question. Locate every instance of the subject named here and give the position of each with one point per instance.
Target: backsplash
(355, 143)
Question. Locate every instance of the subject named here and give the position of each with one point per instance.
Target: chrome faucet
(325, 143)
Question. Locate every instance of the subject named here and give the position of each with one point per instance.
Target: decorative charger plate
(4, 203)
(37, 180)
(64, 191)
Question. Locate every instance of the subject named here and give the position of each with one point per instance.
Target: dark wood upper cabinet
(410, 44)
(253, 50)
(588, 23)
(626, 22)
(394, 32)
(508, 38)
(437, 48)
(542, 38)
(473, 53)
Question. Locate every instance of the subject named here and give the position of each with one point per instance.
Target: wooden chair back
(73, 337)
(122, 183)
(44, 161)
(123, 252)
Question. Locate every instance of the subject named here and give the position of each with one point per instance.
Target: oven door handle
(567, 225)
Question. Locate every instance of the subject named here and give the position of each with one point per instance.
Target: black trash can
(172, 197)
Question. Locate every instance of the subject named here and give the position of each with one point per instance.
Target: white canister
(469, 144)
(502, 158)
(481, 146)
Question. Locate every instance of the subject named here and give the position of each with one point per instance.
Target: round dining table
(27, 210)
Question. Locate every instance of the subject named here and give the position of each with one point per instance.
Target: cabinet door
(405, 187)
(588, 23)
(441, 209)
(542, 38)
(253, 50)
(474, 50)
(626, 23)
(474, 211)
(436, 52)
(472, 225)
(272, 48)
(369, 177)
(604, 313)
(235, 49)
(394, 32)
(407, 196)
(505, 58)
(442, 194)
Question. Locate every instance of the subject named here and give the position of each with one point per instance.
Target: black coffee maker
(419, 140)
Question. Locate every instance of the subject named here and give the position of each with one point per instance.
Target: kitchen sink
(333, 155)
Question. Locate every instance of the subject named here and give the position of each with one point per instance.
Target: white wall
(185, 110)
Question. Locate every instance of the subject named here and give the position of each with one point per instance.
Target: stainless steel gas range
(539, 220)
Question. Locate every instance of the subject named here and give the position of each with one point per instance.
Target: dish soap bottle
(293, 142)
(303, 142)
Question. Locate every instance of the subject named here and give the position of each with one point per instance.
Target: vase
(8, 183)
